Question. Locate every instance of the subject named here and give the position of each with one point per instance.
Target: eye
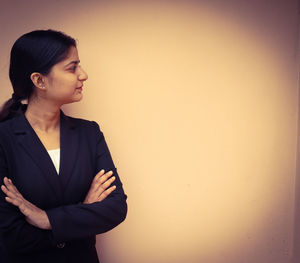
(73, 68)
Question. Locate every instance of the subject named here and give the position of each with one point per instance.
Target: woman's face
(65, 80)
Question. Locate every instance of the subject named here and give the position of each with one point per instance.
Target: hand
(34, 215)
(98, 190)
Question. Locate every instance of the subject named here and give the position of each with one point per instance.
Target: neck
(42, 115)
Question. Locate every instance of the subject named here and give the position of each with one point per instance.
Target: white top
(55, 156)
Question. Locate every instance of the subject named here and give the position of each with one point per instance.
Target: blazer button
(61, 245)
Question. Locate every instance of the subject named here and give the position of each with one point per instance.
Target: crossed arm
(99, 190)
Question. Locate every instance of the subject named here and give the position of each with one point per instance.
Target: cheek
(61, 86)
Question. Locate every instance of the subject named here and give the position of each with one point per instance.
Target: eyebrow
(73, 62)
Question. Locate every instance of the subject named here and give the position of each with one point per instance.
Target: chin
(77, 99)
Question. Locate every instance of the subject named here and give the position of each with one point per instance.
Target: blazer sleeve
(83, 220)
(16, 234)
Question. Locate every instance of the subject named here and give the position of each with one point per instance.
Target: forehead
(71, 56)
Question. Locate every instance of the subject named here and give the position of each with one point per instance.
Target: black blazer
(24, 159)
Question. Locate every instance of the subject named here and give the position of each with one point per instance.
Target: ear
(38, 80)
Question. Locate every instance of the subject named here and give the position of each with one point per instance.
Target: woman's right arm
(16, 234)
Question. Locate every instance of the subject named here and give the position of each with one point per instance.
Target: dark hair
(36, 51)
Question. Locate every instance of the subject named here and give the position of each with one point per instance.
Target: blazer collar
(30, 142)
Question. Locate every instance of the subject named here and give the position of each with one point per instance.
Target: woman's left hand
(34, 215)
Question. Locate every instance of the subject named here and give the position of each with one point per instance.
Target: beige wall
(198, 103)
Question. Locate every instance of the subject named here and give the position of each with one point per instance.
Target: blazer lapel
(69, 140)
(31, 143)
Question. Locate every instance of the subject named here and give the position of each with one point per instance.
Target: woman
(58, 191)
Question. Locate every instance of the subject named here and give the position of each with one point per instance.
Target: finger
(106, 193)
(8, 192)
(14, 201)
(98, 175)
(105, 177)
(9, 200)
(10, 186)
(96, 179)
(101, 180)
(14, 187)
(6, 181)
(102, 185)
(108, 183)
(4, 189)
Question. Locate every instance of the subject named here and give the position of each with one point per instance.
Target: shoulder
(87, 129)
(6, 132)
(6, 125)
(81, 123)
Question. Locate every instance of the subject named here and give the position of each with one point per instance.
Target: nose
(83, 76)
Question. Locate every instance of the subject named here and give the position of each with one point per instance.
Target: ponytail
(11, 108)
